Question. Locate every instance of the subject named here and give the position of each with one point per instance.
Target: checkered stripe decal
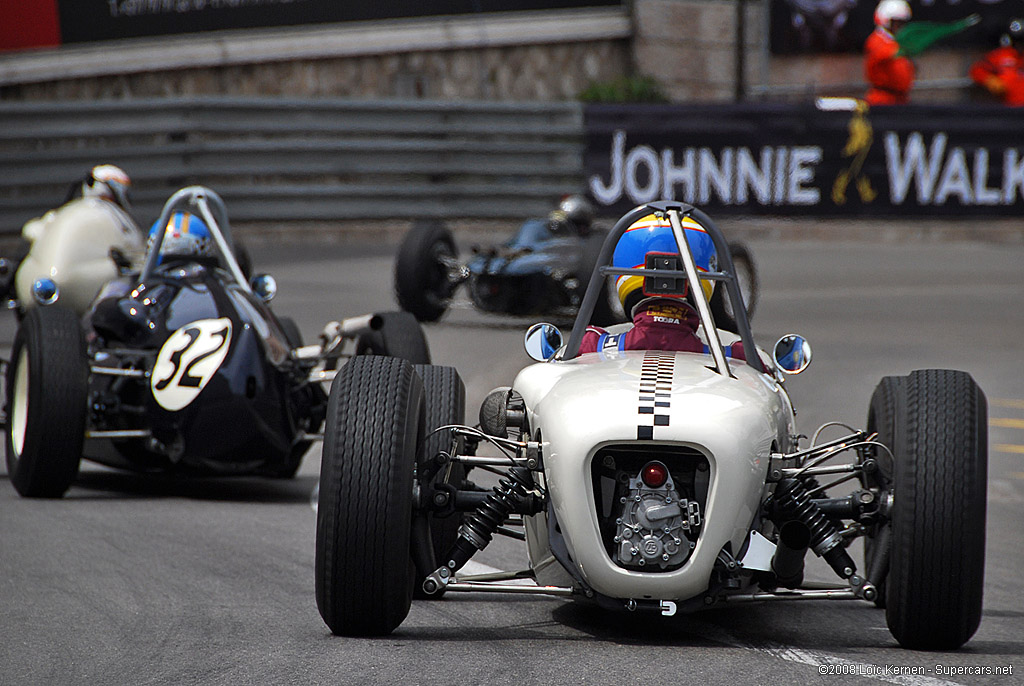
(655, 392)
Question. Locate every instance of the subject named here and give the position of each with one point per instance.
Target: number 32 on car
(188, 360)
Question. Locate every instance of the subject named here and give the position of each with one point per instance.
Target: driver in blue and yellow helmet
(661, 321)
(186, 237)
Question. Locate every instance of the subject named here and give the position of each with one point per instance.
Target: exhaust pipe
(335, 332)
(355, 326)
(788, 560)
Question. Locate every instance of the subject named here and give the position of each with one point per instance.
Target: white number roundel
(188, 360)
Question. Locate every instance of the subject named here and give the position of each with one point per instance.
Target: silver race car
(653, 481)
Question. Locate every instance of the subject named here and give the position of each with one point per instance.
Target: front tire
(364, 572)
(47, 387)
(935, 581)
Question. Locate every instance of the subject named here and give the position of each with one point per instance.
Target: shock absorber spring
(478, 527)
(794, 502)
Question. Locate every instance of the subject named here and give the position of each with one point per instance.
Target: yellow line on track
(1005, 423)
(1008, 448)
(1007, 402)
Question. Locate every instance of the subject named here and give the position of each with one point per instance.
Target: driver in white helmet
(82, 244)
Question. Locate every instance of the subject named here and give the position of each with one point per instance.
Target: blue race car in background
(542, 270)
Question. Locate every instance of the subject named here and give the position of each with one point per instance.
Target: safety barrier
(324, 161)
(299, 160)
(834, 157)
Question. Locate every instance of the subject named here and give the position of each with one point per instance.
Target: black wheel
(422, 284)
(244, 258)
(746, 274)
(604, 314)
(400, 335)
(292, 332)
(937, 567)
(364, 571)
(47, 387)
(881, 420)
(445, 402)
(288, 469)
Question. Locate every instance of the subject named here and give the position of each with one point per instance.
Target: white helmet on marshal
(889, 11)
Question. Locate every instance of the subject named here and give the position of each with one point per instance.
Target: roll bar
(210, 207)
(675, 211)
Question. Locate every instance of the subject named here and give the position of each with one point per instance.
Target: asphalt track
(149, 580)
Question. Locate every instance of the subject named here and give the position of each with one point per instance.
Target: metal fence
(299, 160)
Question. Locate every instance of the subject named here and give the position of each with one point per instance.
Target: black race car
(181, 367)
(542, 270)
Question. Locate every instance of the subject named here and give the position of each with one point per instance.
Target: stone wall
(510, 73)
(690, 46)
(550, 55)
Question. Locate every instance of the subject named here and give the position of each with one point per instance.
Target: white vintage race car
(652, 480)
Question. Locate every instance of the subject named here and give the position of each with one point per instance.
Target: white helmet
(578, 210)
(889, 11)
(108, 182)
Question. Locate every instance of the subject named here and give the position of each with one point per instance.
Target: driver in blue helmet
(186, 237)
(661, 321)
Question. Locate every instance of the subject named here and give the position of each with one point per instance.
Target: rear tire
(422, 286)
(400, 335)
(288, 468)
(292, 333)
(47, 387)
(244, 258)
(746, 275)
(938, 523)
(604, 314)
(445, 403)
(881, 419)
(746, 279)
(364, 571)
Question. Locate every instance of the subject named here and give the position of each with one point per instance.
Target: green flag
(918, 36)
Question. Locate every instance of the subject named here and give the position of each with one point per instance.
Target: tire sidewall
(51, 415)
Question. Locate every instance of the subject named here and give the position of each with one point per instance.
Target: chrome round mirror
(264, 286)
(792, 353)
(45, 291)
(543, 341)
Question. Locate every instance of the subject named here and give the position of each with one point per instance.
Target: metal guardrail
(854, 89)
(297, 160)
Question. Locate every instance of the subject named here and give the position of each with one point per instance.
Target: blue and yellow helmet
(185, 235)
(653, 234)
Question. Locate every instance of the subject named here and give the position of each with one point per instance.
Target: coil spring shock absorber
(478, 527)
(794, 502)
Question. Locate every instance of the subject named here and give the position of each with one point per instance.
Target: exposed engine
(650, 504)
(655, 526)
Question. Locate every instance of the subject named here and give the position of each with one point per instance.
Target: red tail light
(654, 474)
